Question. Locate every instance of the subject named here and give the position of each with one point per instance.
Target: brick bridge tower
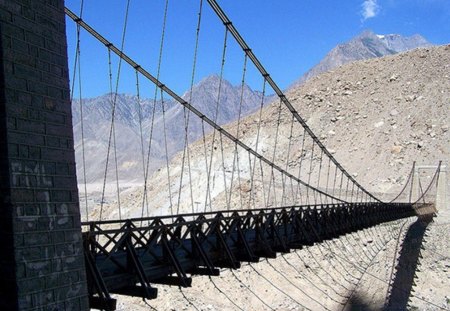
(41, 255)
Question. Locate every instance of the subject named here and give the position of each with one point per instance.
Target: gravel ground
(349, 273)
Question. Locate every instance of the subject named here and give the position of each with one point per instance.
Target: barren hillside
(376, 117)
(364, 46)
(382, 114)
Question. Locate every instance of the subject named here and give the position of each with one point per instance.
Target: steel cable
(155, 96)
(77, 66)
(112, 127)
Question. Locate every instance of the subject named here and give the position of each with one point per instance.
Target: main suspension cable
(186, 115)
(226, 21)
(155, 96)
(77, 65)
(238, 128)
(215, 119)
(112, 128)
(189, 106)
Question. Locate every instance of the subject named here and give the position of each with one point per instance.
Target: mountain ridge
(366, 45)
(163, 121)
(369, 115)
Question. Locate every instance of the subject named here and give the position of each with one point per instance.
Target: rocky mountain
(376, 116)
(97, 113)
(164, 121)
(364, 46)
(380, 115)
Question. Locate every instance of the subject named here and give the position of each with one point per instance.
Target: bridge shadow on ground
(357, 303)
(407, 265)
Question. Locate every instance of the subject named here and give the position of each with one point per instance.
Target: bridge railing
(127, 257)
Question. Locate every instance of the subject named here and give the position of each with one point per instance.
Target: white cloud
(370, 9)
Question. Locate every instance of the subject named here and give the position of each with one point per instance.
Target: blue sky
(288, 36)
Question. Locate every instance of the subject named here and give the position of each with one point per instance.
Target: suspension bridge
(274, 194)
(129, 256)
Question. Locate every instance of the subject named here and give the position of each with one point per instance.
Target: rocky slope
(364, 46)
(376, 116)
(382, 114)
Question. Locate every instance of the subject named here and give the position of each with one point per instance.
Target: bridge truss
(163, 250)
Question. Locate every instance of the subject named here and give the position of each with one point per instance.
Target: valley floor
(349, 273)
